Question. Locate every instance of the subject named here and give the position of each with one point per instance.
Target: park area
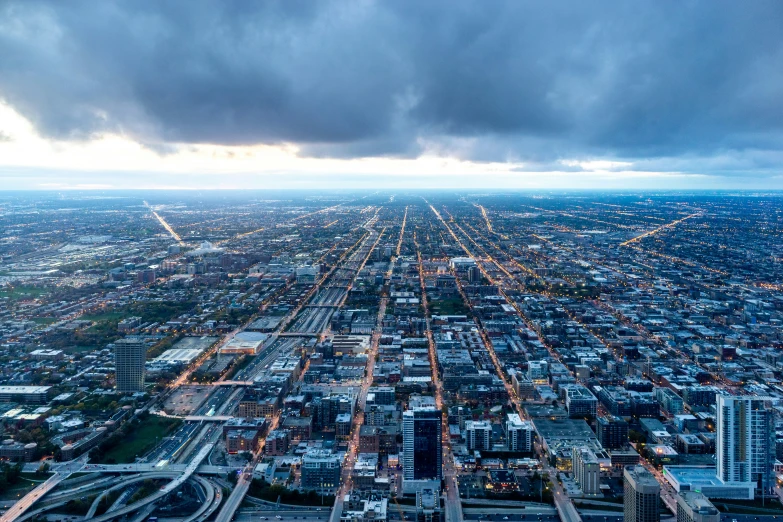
(134, 439)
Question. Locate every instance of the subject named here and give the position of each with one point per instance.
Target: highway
(248, 515)
(168, 488)
(180, 477)
(26, 502)
(77, 493)
(243, 482)
(165, 224)
(241, 488)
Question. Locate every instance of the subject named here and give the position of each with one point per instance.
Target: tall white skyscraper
(129, 357)
(745, 441)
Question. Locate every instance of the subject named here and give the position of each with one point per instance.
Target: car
(278, 517)
(505, 518)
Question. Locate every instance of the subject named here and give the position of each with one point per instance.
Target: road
(453, 503)
(245, 478)
(358, 419)
(668, 494)
(286, 513)
(26, 502)
(565, 507)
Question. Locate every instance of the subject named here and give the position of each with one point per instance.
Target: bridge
(181, 474)
(26, 502)
(165, 490)
(206, 418)
(130, 469)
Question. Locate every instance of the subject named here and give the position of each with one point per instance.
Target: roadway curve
(128, 482)
(124, 484)
(208, 487)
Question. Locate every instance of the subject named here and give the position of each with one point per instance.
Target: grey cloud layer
(486, 80)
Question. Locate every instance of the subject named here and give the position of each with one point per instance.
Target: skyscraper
(587, 470)
(421, 435)
(129, 356)
(478, 435)
(641, 493)
(745, 448)
(519, 433)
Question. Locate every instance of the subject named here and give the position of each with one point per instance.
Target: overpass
(204, 469)
(197, 418)
(124, 484)
(165, 490)
(18, 509)
(206, 418)
(26, 502)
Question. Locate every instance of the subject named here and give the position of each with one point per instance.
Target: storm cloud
(486, 81)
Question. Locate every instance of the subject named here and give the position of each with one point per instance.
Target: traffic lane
(511, 517)
(283, 515)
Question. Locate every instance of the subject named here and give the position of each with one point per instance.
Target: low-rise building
(321, 470)
(367, 507)
(695, 507)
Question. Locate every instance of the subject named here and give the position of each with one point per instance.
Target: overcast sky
(571, 94)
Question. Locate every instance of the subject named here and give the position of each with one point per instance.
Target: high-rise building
(695, 507)
(641, 494)
(587, 470)
(519, 434)
(478, 435)
(421, 437)
(130, 354)
(745, 441)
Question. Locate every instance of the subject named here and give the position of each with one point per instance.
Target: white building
(461, 263)
(519, 434)
(695, 507)
(744, 447)
(587, 470)
(538, 371)
(478, 435)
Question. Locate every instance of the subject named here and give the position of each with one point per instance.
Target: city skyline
(379, 355)
(391, 261)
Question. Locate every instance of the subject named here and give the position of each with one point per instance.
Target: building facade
(641, 494)
(519, 434)
(478, 435)
(587, 470)
(320, 471)
(421, 432)
(745, 447)
(130, 355)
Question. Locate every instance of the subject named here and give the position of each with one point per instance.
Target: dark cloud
(490, 80)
